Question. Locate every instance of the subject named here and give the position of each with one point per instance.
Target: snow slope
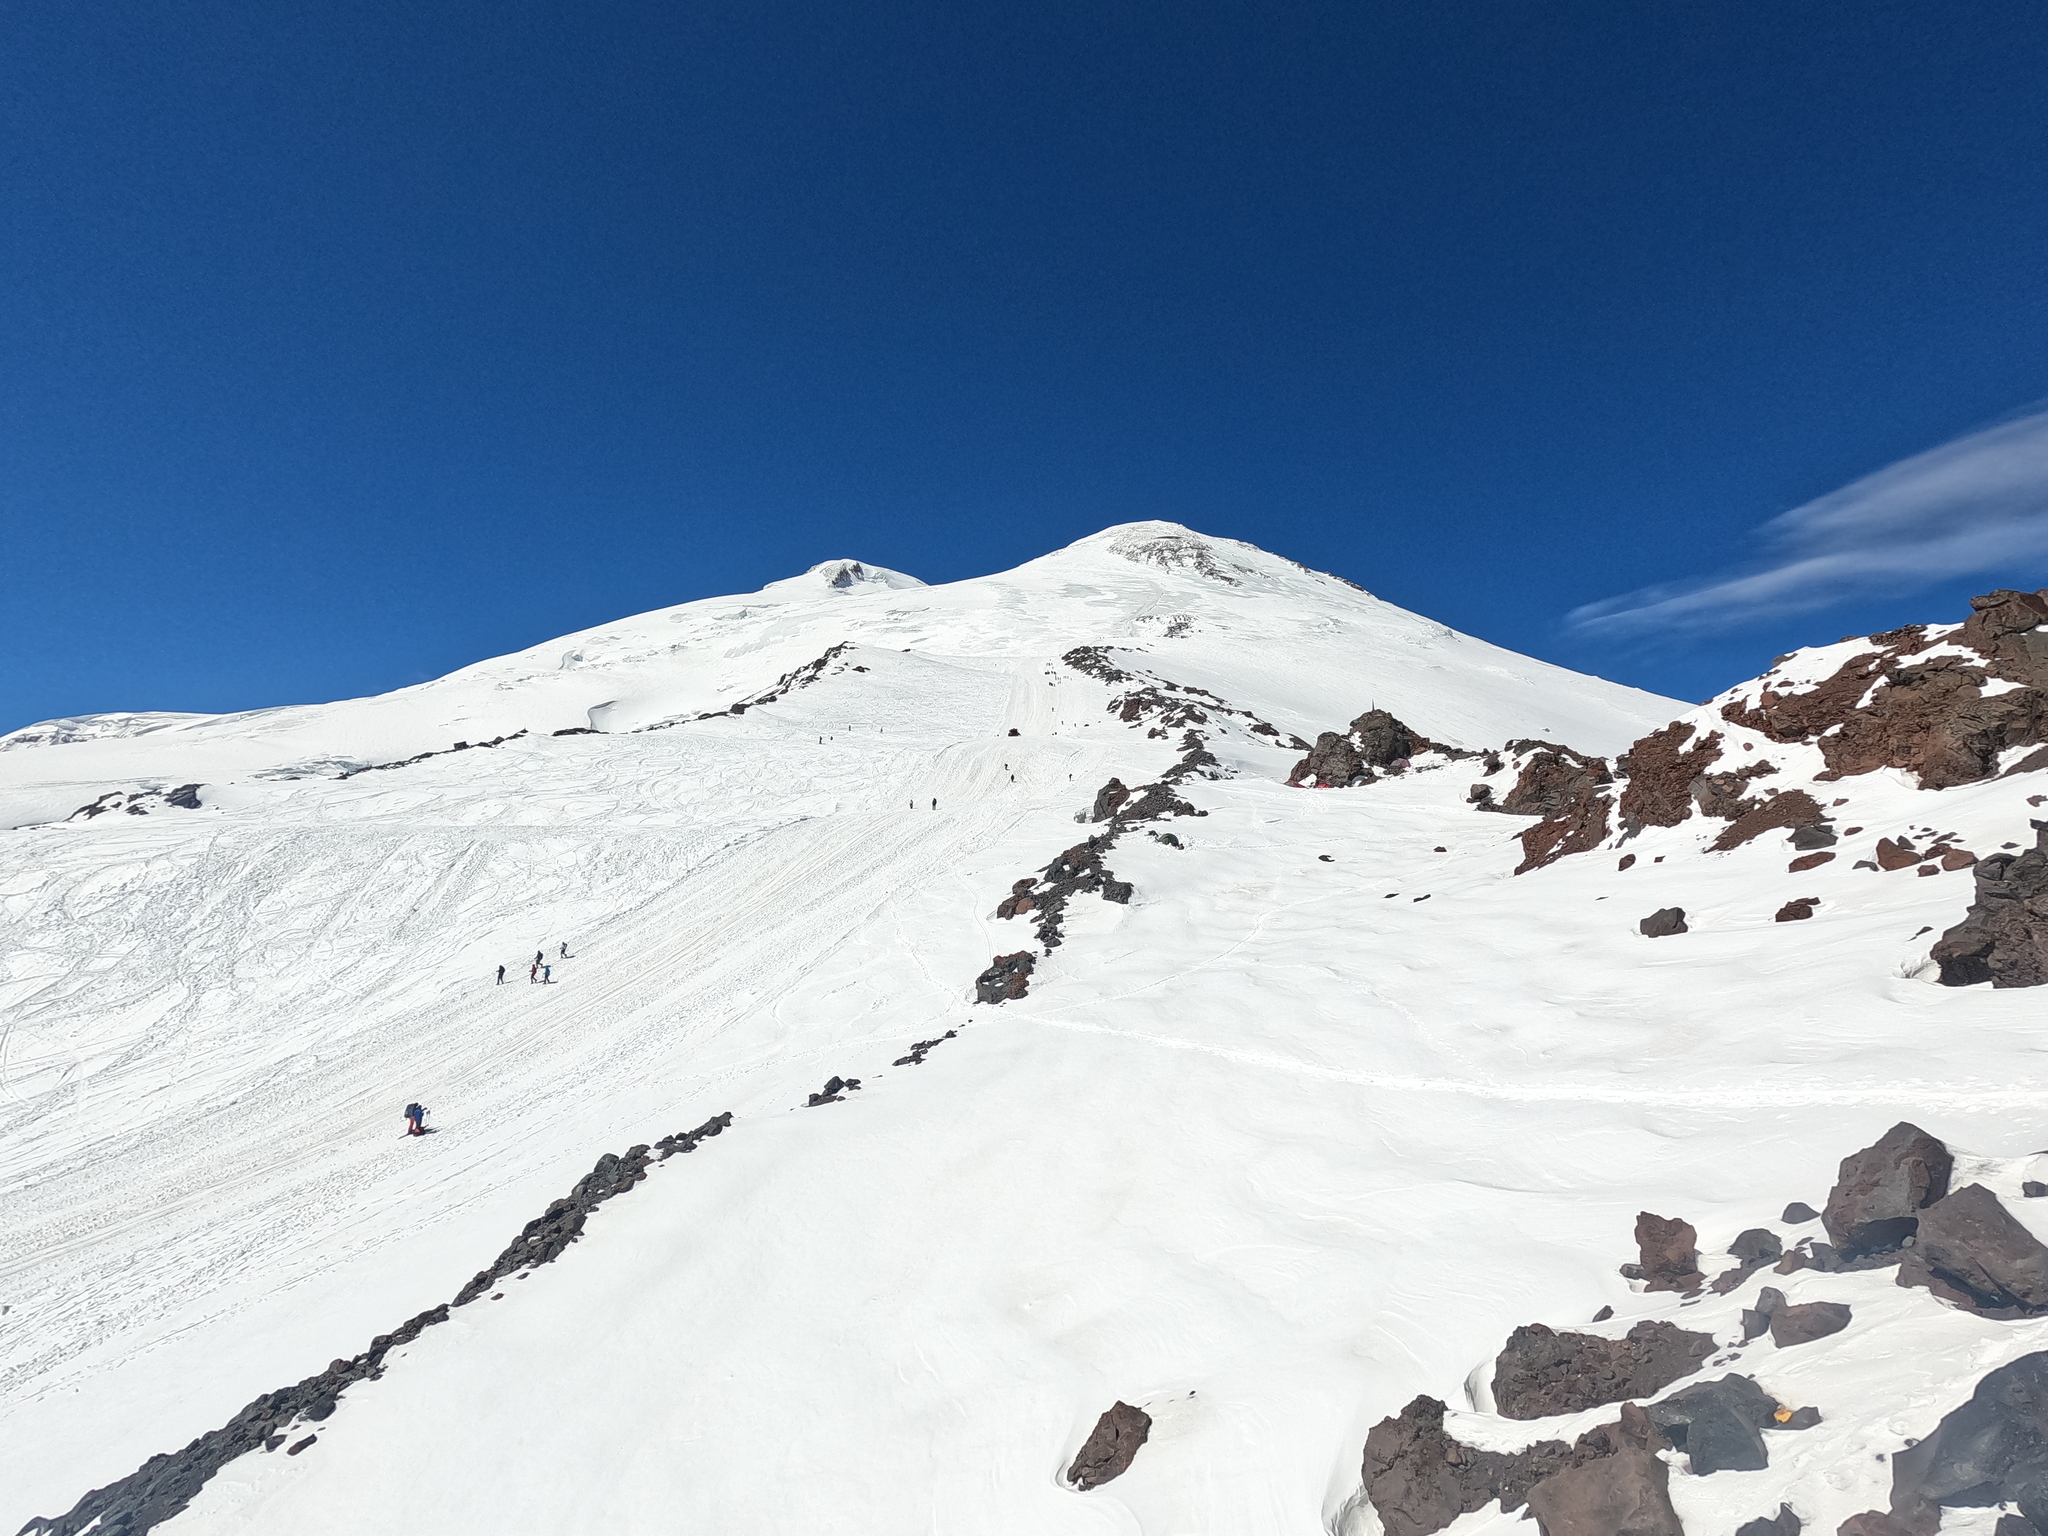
(1268, 1151)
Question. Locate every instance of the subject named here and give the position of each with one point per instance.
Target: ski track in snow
(1269, 1151)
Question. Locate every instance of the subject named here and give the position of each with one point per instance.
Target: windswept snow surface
(1267, 1152)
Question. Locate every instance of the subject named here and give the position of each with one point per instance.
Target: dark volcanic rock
(2003, 938)
(1007, 977)
(1663, 923)
(1718, 1424)
(1880, 1191)
(1759, 1245)
(1797, 910)
(165, 1484)
(1992, 1450)
(1798, 1211)
(1108, 1450)
(1374, 740)
(1971, 1251)
(1570, 790)
(1541, 1372)
(1626, 1494)
(1809, 1321)
(1783, 1523)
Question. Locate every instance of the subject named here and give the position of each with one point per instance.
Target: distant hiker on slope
(538, 957)
(565, 951)
(415, 1120)
(547, 974)
(501, 975)
(533, 971)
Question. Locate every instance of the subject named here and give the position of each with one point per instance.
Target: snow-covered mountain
(1260, 1107)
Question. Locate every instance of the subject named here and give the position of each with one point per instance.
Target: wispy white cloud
(1974, 504)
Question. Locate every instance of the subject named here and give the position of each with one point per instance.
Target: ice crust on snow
(1262, 1153)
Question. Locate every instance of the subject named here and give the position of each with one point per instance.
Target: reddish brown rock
(1793, 808)
(1797, 910)
(1880, 1191)
(1540, 1371)
(1808, 1321)
(1808, 861)
(1957, 858)
(1670, 1253)
(1897, 854)
(1626, 1494)
(1661, 770)
(1110, 1448)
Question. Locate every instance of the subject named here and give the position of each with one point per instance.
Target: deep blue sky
(346, 344)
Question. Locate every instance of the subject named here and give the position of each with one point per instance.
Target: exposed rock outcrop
(1374, 740)
(1541, 1372)
(1880, 1191)
(165, 1484)
(1783, 1523)
(1971, 1251)
(1110, 1447)
(1419, 1479)
(2003, 938)
(1007, 978)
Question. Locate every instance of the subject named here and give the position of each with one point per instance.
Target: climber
(415, 1120)
(501, 975)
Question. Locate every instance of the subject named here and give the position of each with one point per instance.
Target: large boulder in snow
(1880, 1191)
(1992, 1450)
(1626, 1494)
(1541, 1372)
(1970, 1250)
(1110, 1447)
(1374, 740)
(1718, 1424)
(1670, 1254)
(1806, 1322)
(1663, 923)
(2003, 938)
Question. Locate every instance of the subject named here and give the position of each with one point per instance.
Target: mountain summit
(1158, 1039)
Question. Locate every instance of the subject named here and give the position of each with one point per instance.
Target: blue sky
(344, 345)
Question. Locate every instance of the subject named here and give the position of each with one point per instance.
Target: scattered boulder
(1804, 862)
(1799, 1211)
(1626, 1494)
(2003, 937)
(1794, 808)
(1880, 1191)
(1670, 1255)
(1814, 834)
(1754, 1249)
(2033, 1189)
(1110, 1447)
(1797, 910)
(835, 1091)
(1896, 853)
(1970, 1250)
(1540, 1372)
(1809, 1321)
(1718, 1424)
(1007, 977)
(1992, 1450)
(1662, 923)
